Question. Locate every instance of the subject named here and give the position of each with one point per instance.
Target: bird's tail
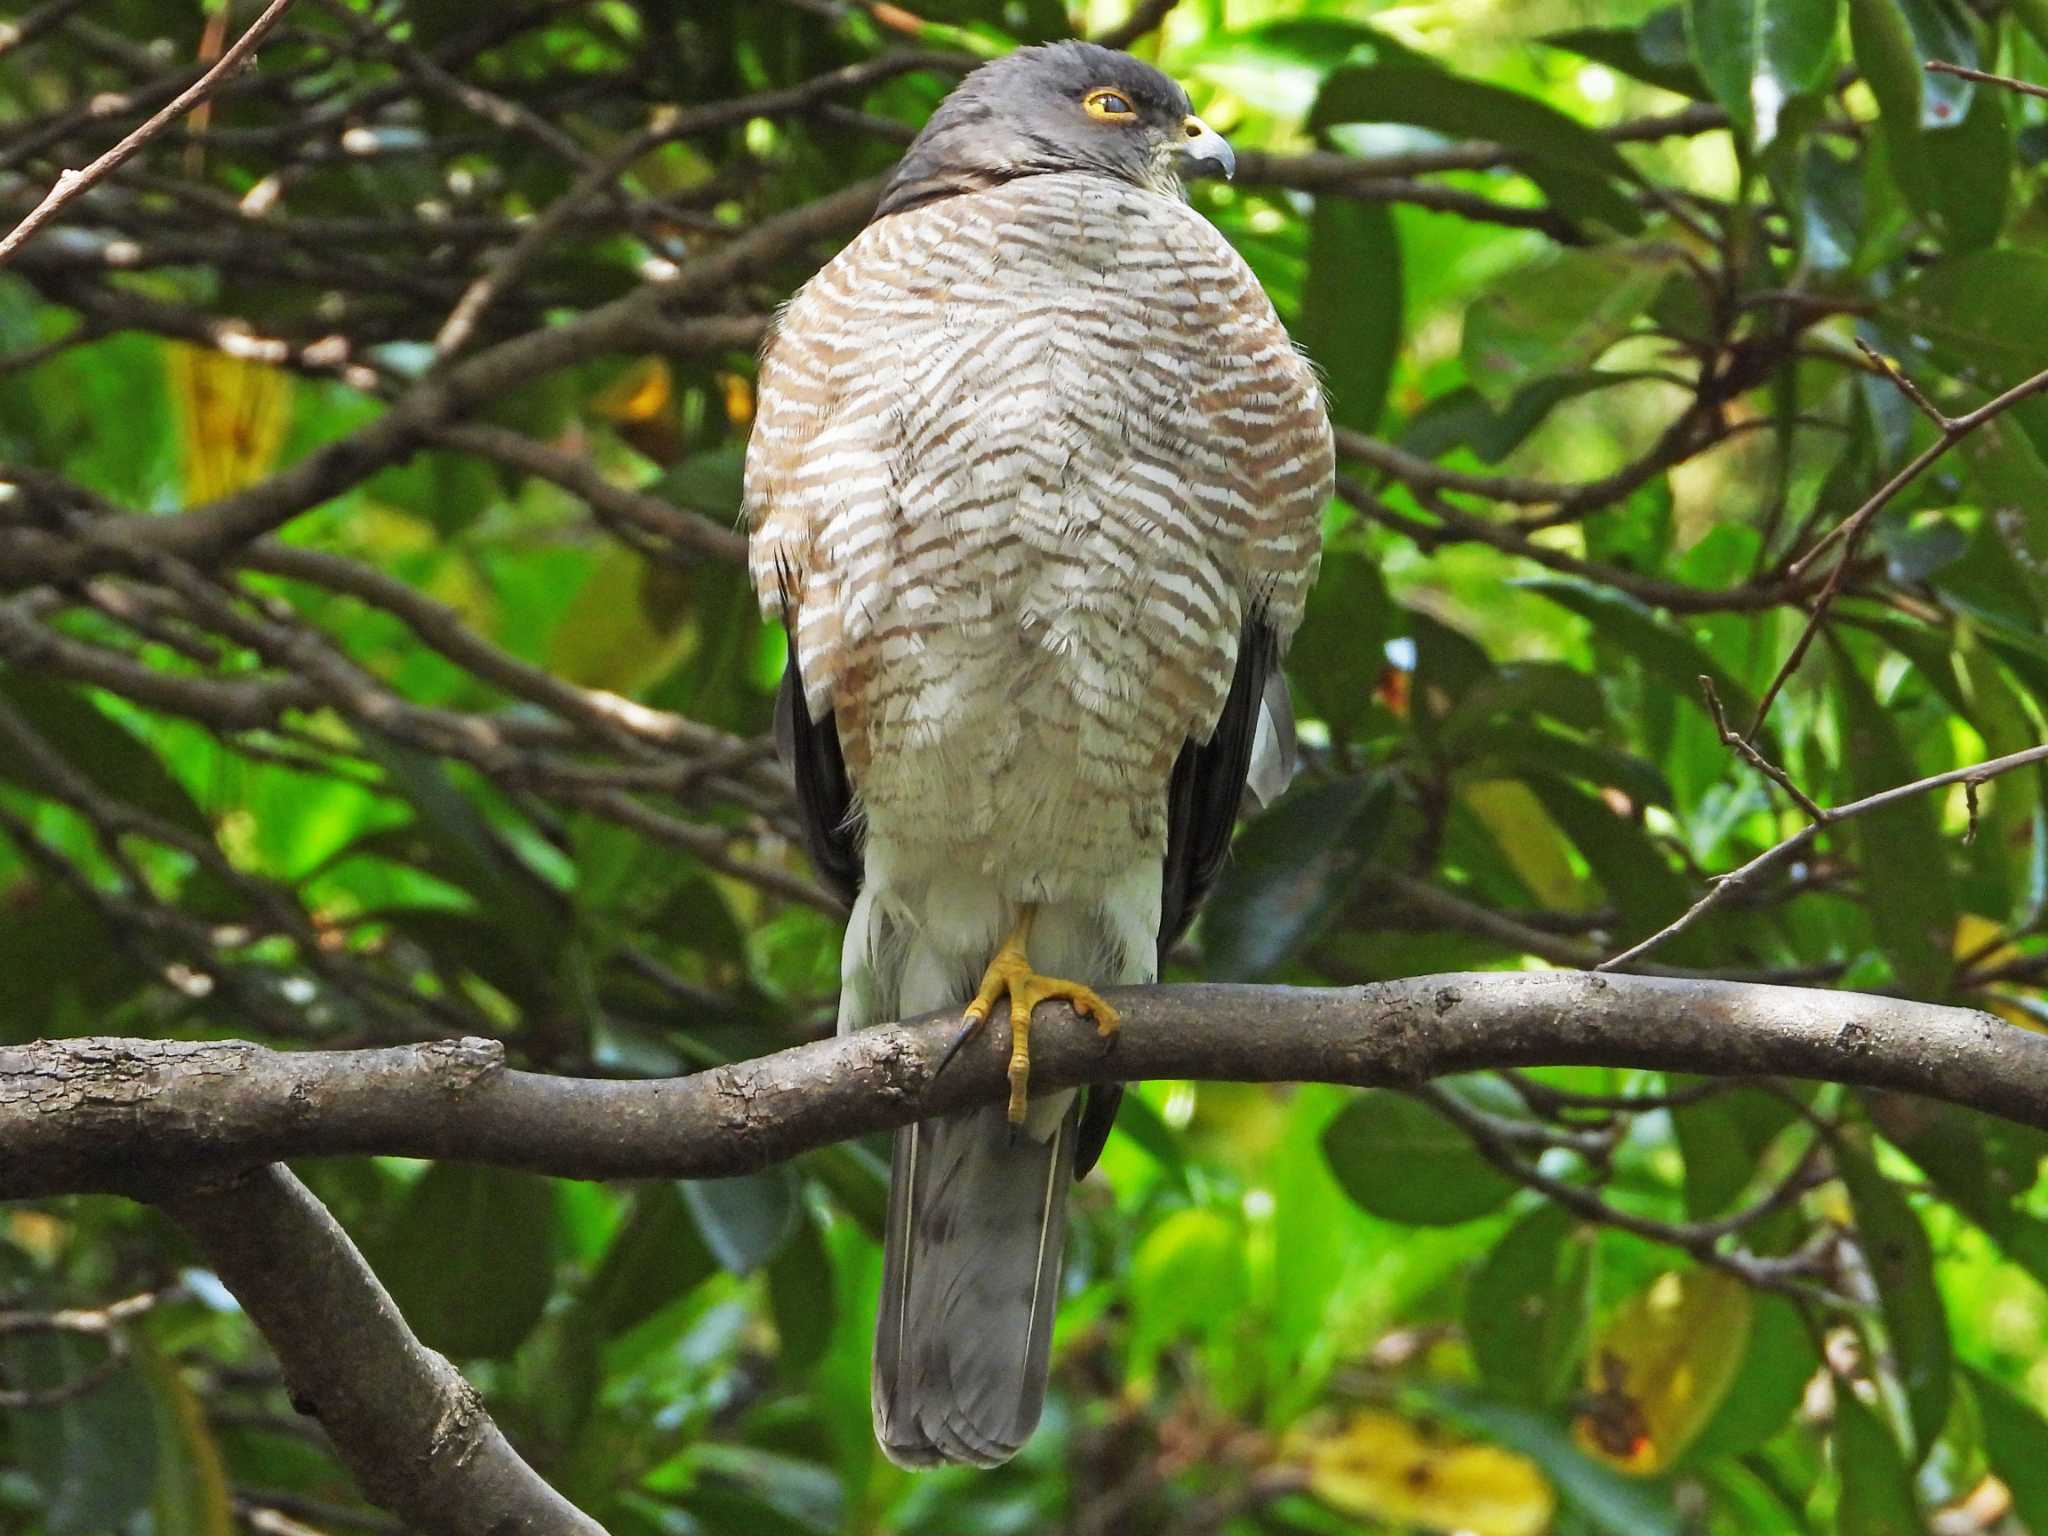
(970, 1281)
(977, 1225)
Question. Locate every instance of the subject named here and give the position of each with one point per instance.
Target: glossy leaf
(1288, 873)
(656, 1256)
(1902, 853)
(427, 1259)
(1877, 1490)
(2016, 1445)
(1901, 1261)
(800, 1297)
(1768, 1386)
(92, 1456)
(1756, 55)
(1557, 316)
(1188, 1277)
(1527, 1307)
(1654, 52)
(746, 1219)
(1404, 1162)
(1985, 313)
(106, 755)
(1351, 306)
(1575, 166)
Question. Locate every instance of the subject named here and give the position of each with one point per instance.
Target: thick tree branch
(410, 1428)
(142, 1116)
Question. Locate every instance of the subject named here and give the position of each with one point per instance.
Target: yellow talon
(1010, 974)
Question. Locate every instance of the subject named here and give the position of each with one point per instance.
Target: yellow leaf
(1661, 1367)
(1978, 941)
(611, 635)
(738, 390)
(1527, 838)
(232, 416)
(641, 393)
(1381, 1467)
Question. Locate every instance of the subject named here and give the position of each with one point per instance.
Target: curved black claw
(969, 1028)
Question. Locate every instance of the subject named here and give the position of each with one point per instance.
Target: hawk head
(1059, 107)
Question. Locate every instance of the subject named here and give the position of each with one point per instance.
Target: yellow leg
(1010, 974)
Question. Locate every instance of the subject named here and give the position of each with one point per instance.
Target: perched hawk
(1035, 484)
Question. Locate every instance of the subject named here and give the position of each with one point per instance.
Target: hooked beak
(1205, 152)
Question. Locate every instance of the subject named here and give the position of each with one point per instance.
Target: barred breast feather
(1025, 460)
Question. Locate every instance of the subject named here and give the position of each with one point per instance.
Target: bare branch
(1727, 885)
(1850, 531)
(1943, 67)
(74, 184)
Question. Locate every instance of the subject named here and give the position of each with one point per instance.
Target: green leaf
(1351, 306)
(98, 750)
(1631, 869)
(1877, 1488)
(560, 1372)
(1558, 315)
(1661, 646)
(1290, 870)
(2011, 484)
(2016, 1445)
(93, 1456)
(1654, 52)
(1941, 31)
(1282, 64)
(429, 1257)
(1573, 165)
(800, 1297)
(44, 991)
(1338, 652)
(1463, 418)
(467, 850)
(192, 1495)
(1902, 1263)
(1904, 859)
(1972, 163)
(1188, 1277)
(858, 1181)
(1718, 1161)
(1756, 55)
(1723, 1140)
(1768, 1388)
(746, 1219)
(1527, 1307)
(1984, 312)
(1402, 1161)
(1981, 1165)
(656, 1255)
(1523, 748)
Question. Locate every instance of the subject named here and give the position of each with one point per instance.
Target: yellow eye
(1108, 106)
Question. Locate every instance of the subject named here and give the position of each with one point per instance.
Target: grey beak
(1206, 152)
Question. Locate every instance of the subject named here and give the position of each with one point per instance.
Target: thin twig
(1726, 885)
(1732, 739)
(73, 184)
(1963, 71)
(1850, 531)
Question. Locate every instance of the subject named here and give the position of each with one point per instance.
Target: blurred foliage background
(472, 741)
